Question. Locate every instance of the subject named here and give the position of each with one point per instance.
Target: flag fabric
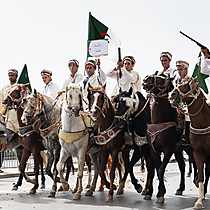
(24, 78)
(96, 29)
(200, 77)
(97, 42)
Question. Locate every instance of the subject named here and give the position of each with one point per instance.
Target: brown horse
(102, 110)
(190, 94)
(30, 140)
(163, 131)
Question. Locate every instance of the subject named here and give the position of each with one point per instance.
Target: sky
(48, 33)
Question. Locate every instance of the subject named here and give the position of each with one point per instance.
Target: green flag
(200, 77)
(97, 44)
(96, 29)
(24, 78)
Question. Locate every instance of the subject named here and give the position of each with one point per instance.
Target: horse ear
(130, 91)
(156, 73)
(104, 87)
(35, 93)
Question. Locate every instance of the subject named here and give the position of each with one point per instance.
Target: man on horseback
(50, 89)
(128, 78)
(74, 76)
(93, 79)
(9, 115)
(165, 58)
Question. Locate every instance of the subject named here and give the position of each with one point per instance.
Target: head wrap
(166, 54)
(46, 72)
(91, 62)
(129, 58)
(76, 62)
(13, 71)
(185, 64)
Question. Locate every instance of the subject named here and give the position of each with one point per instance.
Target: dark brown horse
(30, 140)
(133, 112)
(163, 131)
(191, 95)
(102, 110)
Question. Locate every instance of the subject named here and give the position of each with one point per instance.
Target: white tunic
(10, 115)
(94, 80)
(205, 66)
(128, 79)
(51, 90)
(77, 79)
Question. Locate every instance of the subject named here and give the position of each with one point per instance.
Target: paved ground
(130, 200)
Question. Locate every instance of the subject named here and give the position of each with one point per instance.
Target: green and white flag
(24, 78)
(200, 77)
(97, 38)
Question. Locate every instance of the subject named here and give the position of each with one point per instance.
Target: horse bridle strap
(143, 108)
(200, 131)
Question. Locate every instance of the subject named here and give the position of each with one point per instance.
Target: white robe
(128, 79)
(50, 90)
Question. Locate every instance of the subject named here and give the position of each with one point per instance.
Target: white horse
(73, 136)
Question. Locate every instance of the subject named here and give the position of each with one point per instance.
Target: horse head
(186, 93)
(158, 85)
(99, 102)
(73, 99)
(32, 107)
(16, 95)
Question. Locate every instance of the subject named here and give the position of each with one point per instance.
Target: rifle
(119, 60)
(198, 43)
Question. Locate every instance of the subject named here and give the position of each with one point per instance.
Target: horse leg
(42, 173)
(37, 161)
(25, 156)
(50, 161)
(95, 177)
(152, 160)
(207, 174)
(135, 158)
(200, 164)
(125, 156)
(180, 160)
(81, 163)
(161, 172)
(19, 152)
(142, 164)
(88, 163)
(112, 175)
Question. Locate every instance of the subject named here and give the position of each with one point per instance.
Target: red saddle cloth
(154, 130)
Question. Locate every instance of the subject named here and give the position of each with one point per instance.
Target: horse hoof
(144, 192)
(51, 195)
(101, 189)
(87, 187)
(120, 191)
(160, 200)
(179, 192)
(77, 196)
(89, 193)
(15, 187)
(114, 187)
(147, 197)
(42, 186)
(138, 188)
(188, 174)
(198, 206)
(60, 188)
(66, 187)
(109, 198)
(32, 191)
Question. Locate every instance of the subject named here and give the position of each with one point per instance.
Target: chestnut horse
(190, 94)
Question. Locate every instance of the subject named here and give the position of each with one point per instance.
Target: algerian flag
(200, 77)
(24, 78)
(97, 44)
(98, 35)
